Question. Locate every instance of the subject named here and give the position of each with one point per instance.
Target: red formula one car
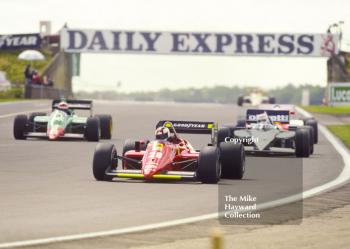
(171, 157)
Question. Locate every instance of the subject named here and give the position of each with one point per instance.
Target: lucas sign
(339, 93)
(198, 43)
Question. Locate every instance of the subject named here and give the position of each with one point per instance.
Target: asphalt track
(47, 188)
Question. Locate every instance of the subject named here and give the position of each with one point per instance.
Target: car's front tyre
(232, 158)
(92, 130)
(104, 160)
(20, 127)
(209, 167)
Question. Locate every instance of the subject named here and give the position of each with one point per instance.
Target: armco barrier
(44, 92)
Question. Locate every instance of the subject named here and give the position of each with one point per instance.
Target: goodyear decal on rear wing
(193, 127)
(280, 116)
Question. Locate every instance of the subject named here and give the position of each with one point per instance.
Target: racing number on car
(155, 154)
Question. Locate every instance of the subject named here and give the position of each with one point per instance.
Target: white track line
(341, 179)
(23, 112)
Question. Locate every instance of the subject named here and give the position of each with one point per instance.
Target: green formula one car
(63, 122)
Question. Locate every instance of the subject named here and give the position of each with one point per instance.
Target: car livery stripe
(141, 176)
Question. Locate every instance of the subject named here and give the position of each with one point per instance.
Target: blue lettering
(242, 41)
(150, 41)
(306, 44)
(130, 42)
(286, 41)
(265, 44)
(201, 43)
(98, 39)
(116, 43)
(179, 42)
(73, 34)
(222, 40)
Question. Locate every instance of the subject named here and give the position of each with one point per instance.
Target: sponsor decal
(273, 118)
(339, 93)
(20, 41)
(189, 125)
(198, 43)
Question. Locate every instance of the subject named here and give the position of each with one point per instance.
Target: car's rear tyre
(104, 160)
(223, 133)
(313, 123)
(20, 127)
(232, 157)
(302, 143)
(129, 144)
(92, 131)
(106, 126)
(311, 136)
(209, 167)
(241, 123)
(240, 101)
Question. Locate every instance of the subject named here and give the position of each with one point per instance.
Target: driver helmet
(162, 133)
(62, 105)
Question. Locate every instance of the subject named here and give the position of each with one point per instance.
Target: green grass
(10, 100)
(335, 110)
(342, 132)
(13, 93)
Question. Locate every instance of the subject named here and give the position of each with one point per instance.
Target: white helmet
(63, 105)
(162, 133)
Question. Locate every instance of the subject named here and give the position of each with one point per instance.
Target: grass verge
(342, 132)
(334, 110)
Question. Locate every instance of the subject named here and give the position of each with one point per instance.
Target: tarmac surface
(47, 188)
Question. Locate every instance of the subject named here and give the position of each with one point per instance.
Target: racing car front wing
(44, 135)
(167, 175)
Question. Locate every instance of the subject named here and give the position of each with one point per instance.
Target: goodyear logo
(190, 125)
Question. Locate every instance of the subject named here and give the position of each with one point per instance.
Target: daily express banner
(20, 41)
(201, 43)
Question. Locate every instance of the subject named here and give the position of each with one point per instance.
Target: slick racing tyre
(209, 167)
(272, 100)
(313, 123)
(223, 133)
(104, 161)
(20, 127)
(302, 143)
(240, 101)
(92, 131)
(106, 126)
(232, 157)
(129, 144)
(311, 136)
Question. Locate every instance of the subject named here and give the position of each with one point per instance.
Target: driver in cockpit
(64, 106)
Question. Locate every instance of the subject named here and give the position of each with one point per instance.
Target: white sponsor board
(339, 93)
(201, 43)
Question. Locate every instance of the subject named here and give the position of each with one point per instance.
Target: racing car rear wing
(280, 116)
(74, 104)
(191, 127)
